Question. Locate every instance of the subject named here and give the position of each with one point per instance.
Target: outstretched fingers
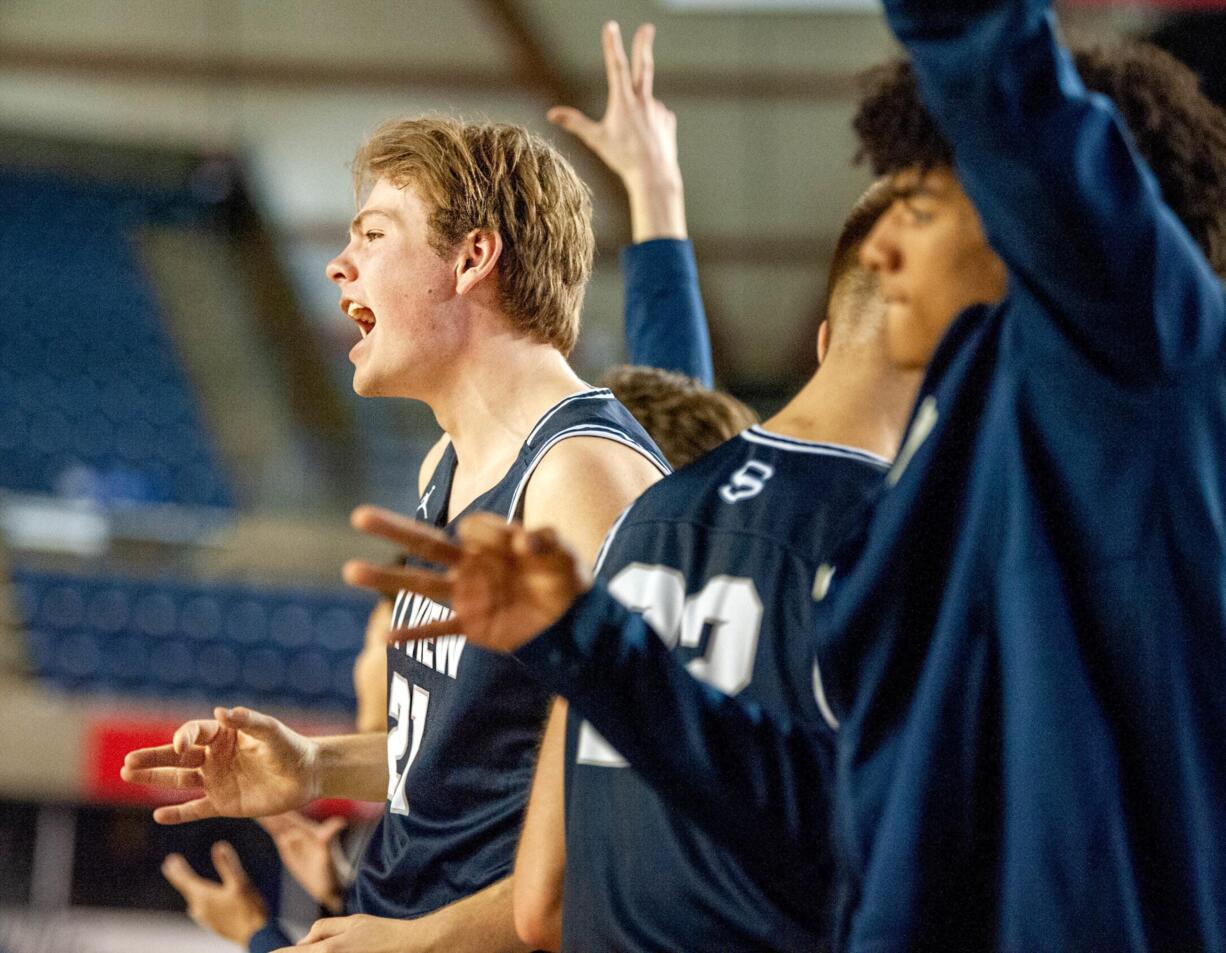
(428, 630)
(196, 810)
(251, 722)
(390, 582)
(173, 778)
(576, 123)
(418, 539)
(163, 756)
(178, 871)
(617, 69)
(642, 63)
(227, 864)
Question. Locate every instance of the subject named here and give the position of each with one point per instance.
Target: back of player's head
(685, 419)
(852, 305)
(1179, 132)
(481, 175)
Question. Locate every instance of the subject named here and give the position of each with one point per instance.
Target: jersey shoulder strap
(590, 413)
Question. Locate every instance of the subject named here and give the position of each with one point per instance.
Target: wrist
(657, 209)
(312, 770)
(350, 766)
(247, 924)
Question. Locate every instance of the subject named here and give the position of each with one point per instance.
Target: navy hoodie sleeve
(732, 767)
(666, 325)
(270, 938)
(1065, 200)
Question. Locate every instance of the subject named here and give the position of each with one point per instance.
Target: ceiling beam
(152, 67)
(549, 79)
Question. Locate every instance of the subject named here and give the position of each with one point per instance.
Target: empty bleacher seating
(93, 400)
(191, 642)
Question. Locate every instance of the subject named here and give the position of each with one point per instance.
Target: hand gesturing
(636, 137)
(504, 583)
(247, 763)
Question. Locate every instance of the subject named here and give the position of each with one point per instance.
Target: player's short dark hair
(847, 279)
(1179, 131)
(684, 418)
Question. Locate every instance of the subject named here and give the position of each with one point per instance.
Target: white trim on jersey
(757, 434)
(602, 393)
(819, 694)
(608, 539)
(582, 430)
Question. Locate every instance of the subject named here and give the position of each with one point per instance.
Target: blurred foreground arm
(514, 590)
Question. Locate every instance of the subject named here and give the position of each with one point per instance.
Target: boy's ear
(823, 341)
(476, 258)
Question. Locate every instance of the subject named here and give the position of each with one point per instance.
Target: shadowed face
(399, 292)
(933, 261)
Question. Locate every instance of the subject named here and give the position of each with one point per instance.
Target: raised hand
(636, 137)
(504, 583)
(233, 908)
(247, 763)
(305, 848)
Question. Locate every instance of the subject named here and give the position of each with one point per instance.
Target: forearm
(540, 861)
(352, 766)
(657, 205)
(666, 323)
(481, 923)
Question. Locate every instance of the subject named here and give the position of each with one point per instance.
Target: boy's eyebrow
(356, 224)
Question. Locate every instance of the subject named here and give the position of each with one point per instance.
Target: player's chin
(365, 384)
(908, 345)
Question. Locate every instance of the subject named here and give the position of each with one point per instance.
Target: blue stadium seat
(94, 401)
(192, 642)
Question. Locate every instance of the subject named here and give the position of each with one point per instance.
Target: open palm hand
(248, 764)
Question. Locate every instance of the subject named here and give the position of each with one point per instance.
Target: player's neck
(848, 404)
(496, 393)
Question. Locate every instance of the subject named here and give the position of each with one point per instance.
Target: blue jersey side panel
(713, 556)
(464, 724)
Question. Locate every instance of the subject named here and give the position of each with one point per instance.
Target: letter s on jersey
(747, 482)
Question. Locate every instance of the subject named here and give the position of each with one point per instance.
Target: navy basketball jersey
(719, 558)
(464, 724)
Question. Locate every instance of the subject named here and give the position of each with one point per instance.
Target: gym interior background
(179, 442)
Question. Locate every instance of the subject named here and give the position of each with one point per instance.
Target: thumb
(227, 865)
(331, 827)
(325, 928)
(574, 122)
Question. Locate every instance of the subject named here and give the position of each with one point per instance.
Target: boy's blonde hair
(479, 175)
